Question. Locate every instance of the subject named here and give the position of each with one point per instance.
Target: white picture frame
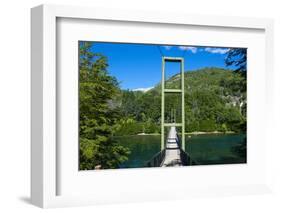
(44, 150)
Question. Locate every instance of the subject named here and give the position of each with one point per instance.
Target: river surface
(203, 149)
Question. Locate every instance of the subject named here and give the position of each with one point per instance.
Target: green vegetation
(98, 114)
(215, 101)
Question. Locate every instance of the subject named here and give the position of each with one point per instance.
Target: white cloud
(191, 49)
(143, 89)
(216, 50)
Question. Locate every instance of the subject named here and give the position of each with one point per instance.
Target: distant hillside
(215, 100)
(215, 79)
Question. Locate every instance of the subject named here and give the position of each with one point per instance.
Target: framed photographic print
(136, 106)
(132, 113)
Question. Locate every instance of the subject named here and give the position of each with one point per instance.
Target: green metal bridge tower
(173, 91)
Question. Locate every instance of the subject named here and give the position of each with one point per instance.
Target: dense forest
(215, 100)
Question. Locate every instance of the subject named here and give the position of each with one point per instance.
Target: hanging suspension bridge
(172, 148)
(173, 151)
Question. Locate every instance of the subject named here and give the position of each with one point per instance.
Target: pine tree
(98, 114)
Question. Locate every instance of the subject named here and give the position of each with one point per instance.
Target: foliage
(98, 112)
(130, 126)
(237, 57)
(215, 100)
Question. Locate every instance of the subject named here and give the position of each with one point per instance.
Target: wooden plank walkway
(172, 155)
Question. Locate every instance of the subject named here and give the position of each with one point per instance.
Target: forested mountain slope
(215, 100)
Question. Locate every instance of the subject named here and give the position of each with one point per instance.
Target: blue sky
(138, 66)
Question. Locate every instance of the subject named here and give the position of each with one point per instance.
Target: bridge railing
(157, 159)
(186, 159)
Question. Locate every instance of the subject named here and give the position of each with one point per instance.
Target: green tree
(215, 99)
(237, 57)
(98, 112)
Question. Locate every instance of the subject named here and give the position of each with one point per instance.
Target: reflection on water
(204, 149)
(217, 149)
